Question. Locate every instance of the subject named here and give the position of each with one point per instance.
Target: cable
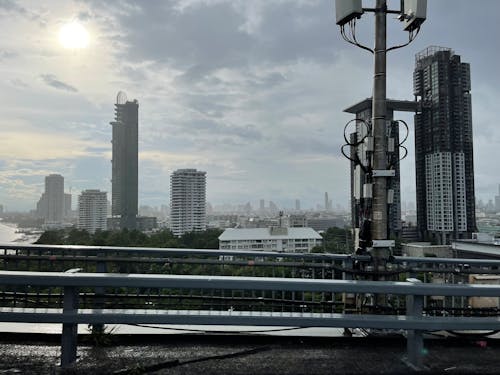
(215, 331)
(407, 131)
(411, 37)
(368, 128)
(352, 37)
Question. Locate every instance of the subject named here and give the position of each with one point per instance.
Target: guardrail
(414, 320)
(235, 263)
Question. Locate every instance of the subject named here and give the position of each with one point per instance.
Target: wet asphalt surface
(247, 355)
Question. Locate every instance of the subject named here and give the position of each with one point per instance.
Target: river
(8, 233)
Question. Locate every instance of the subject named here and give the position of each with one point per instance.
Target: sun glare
(73, 35)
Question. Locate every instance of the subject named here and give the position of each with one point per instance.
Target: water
(8, 233)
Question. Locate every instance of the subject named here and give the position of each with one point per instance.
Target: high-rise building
(297, 204)
(67, 205)
(262, 205)
(124, 183)
(92, 210)
(443, 146)
(187, 201)
(361, 188)
(497, 201)
(54, 199)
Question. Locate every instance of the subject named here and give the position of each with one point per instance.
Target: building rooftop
(392, 104)
(235, 234)
(431, 50)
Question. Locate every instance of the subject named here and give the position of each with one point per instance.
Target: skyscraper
(92, 210)
(187, 201)
(124, 181)
(54, 199)
(497, 201)
(443, 146)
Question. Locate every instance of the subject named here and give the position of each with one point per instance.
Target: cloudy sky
(250, 91)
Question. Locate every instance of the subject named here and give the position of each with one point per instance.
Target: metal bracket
(383, 243)
(383, 173)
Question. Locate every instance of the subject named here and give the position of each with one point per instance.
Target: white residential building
(187, 201)
(92, 210)
(292, 240)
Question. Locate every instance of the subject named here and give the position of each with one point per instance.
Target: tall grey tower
(187, 201)
(443, 146)
(54, 196)
(124, 181)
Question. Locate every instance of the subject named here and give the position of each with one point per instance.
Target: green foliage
(51, 237)
(208, 239)
(336, 240)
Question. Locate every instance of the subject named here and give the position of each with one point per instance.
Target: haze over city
(250, 92)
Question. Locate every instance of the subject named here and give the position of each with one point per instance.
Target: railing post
(99, 292)
(414, 337)
(70, 330)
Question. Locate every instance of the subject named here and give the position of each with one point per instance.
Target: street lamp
(412, 14)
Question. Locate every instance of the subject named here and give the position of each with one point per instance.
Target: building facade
(187, 201)
(50, 207)
(92, 210)
(292, 240)
(124, 183)
(443, 146)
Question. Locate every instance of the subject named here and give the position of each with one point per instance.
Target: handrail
(148, 251)
(414, 321)
(61, 279)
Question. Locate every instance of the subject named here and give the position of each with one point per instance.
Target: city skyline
(258, 97)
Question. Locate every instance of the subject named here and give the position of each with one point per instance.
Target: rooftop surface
(233, 234)
(230, 354)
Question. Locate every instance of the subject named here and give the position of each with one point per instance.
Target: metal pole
(379, 207)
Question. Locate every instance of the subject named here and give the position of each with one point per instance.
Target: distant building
(67, 205)
(187, 201)
(294, 240)
(124, 183)
(328, 203)
(497, 201)
(147, 223)
(297, 221)
(92, 210)
(50, 207)
(409, 232)
(273, 208)
(322, 224)
(1, 209)
(297, 205)
(425, 249)
(443, 144)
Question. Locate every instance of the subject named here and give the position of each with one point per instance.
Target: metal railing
(234, 263)
(414, 319)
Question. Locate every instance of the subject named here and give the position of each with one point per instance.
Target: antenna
(121, 97)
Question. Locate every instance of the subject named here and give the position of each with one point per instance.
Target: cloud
(12, 6)
(52, 81)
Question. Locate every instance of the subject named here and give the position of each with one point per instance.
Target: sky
(252, 92)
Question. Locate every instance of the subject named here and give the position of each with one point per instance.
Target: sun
(73, 35)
